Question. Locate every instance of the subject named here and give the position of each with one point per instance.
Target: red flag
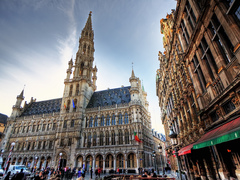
(136, 137)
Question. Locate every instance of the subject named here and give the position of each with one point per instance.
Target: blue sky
(39, 37)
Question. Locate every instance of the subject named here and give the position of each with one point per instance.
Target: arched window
(70, 92)
(113, 120)
(120, 119)
(102, 121)
(113, 138)
(109, 161)
(91, 122)
(126, 137)
(107, 138)
(120, 159)
(130, 161)
(72, 123)
(89, 140)
(108, 121)
(120, 135)
(95, 122)
(77, 89)
(101, 138)
(68, 106)
(94, 139)
(126, 118)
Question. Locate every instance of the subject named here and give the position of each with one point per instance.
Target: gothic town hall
(90, 128)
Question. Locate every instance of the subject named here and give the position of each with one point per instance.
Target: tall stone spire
(88, 25)
(80, 87)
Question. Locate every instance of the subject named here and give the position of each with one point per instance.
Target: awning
(185, 150)
(224, 133)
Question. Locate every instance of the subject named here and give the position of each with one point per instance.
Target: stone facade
(89, 128)
(198, 83)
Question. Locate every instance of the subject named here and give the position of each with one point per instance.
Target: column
(103, 165)
(189, 28)
(114, 162)
(38, 163)
(196, 80)
(137, 163)
(44, 163)
(93, 166)
(32, 163)
(21, 162)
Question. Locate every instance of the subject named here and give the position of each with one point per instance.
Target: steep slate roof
(43, 107)
(3, 118)
(110, 97)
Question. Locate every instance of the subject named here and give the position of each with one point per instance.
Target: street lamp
(2, 151)
(173, 137)
(154, 157)
(59, 160)
(35, 163)
(6, 164)
(160, 151)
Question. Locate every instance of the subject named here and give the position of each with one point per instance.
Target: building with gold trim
(198, 85)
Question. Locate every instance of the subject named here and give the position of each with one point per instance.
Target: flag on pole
(65, 105)
(136, 137)
(73, 104)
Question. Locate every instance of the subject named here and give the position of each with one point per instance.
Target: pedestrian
(99, 172)
(7, 176)
(79, 172)
(91, 171)
(20, 175)
(96, 172)
(117, 170)
(83, 173)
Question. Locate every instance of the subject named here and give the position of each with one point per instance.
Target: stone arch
(99, 160)
(49, 158)
(14, 161)
(109, 161)
(19, 160)
(30, 162)
(89, 161)
(79, 161)
(120, 160)
(131, 160)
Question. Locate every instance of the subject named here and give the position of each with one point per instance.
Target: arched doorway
(99, 161)
(79, 161)
(120, 160)
(25, 161)
(89, 162)
(41, 162)
(14, 161)
(30, 163)
(131, 160)
(63, 161)
(19, 161)
(109, 161)
(48, 161)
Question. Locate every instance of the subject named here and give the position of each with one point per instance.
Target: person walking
(91, 171)
(7, 176)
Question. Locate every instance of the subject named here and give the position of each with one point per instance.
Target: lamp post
(6, 164)
(154, 158)
(2, 151)
(59, 160)
(173, 137)
(34, 167)
(160, 151)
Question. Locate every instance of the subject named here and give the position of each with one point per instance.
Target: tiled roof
(110, 97)
(43, 107)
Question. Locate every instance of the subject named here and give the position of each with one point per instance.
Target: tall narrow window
(102, 121)
(126, 137)
(108, 121)
(120, 119)
(126, 118)
(94, 139)
(96, 122)
(91, 122)
(54, 126)
(70, 91)
(77, 89)
(113, 120)
(69, 141)
(199, 73)
(107, 138)
(120, 135)
(65, 124)
(101, 138)
(72, 123)
(113, 138)
(39, 144)
(89, 140)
